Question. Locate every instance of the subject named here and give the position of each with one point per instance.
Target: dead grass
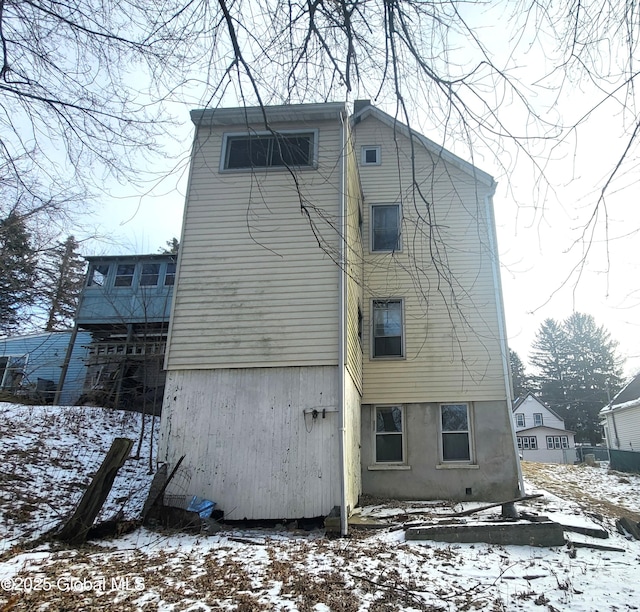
(540, 474)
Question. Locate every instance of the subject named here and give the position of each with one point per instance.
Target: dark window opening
(124, 275)
(269, 151)
(385, 227)
(150, 274)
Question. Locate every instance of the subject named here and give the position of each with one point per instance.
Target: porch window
(455, 432)
(124, 275)
(150, 274)
(170, 274)
(389, 428)
(98, 275)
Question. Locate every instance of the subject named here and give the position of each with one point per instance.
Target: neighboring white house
(337, 326)
(540, 432)
(621, 420)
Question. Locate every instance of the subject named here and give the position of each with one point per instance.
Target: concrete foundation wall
(491, 475)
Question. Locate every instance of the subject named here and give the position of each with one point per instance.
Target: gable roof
(629, 397)
(520, 401)
(363, 111)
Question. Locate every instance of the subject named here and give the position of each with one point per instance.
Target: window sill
(380, 467)
(457, 466)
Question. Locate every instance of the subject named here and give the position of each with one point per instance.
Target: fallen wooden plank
(77, 527)
(624, 524)
(597, 546)
(494, 505)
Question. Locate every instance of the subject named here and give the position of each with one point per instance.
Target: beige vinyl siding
(354, 269)
(452, 339)
(258, 281)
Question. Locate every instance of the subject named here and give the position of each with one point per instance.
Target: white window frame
(363, 155)
(313, 165)
(520, 419)
(527, 442)
(538, 419)
(390, 464)
(372, 228)
(564, 441)
(468, 431)
(373, 331)
(16, 364)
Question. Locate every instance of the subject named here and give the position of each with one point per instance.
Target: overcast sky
(540, 222)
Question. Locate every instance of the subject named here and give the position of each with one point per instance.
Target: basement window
(389, 430)
(455, 432)
(269, 150)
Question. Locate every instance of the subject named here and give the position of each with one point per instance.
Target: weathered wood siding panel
(258, 275)
(352, 442)
(443, 272)
(249, 444)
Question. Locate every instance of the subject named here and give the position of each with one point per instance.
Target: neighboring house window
(389, 434)
(527, 442)
(370, 156)
(537, 419)
(124, 275)
(385, 227)
(150, 274)
(455, 432)
(170, 274)
(268, 150)
(12, 369)
(519, 420)
(360, 325)
(387, 328)
(557, 442)
(98, 275)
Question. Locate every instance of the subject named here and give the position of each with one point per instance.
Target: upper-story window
(268, 150)
(387, 328)
(519, 419)
(170, 274)
(124, 275)
(150, 274)
(385, 227)
(98, 275)
(537, 419)
(370, 156)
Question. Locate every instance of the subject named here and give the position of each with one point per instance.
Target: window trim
(372, 344)
(469, 431)
(363, 155)
(398, 205)
(527, 442)
(520, 417)
(391, 465)
(313, 165)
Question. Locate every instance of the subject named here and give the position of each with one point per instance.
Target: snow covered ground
(49, 454)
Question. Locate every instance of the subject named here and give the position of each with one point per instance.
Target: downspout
(502, 328)
(342, 332)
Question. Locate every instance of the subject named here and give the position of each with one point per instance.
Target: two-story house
(540, 432)
(337, 326)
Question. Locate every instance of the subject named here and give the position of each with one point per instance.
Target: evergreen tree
(172, 247)
(61, 273)
(17, 272)
(577, 370)
(520, 379)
